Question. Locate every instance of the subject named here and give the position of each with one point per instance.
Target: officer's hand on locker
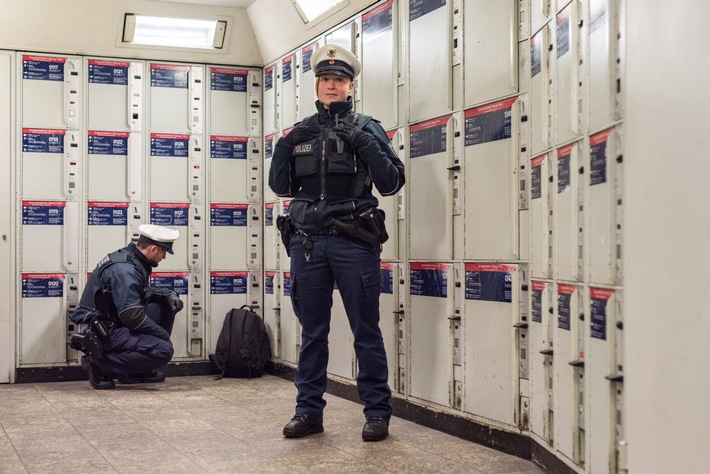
(298, 135)
(174, 302)
(355, 137)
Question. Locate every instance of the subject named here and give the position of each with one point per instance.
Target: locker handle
(276, 308)
(615, 377)
(577, 363)
(547, 351)
(454, 318)
(398, 311)
(521, 325)
(454, 168)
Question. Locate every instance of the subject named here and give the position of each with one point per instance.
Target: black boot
(375, 429)
(89, 344)
(154, 376)
(97, 379)
(303, 425)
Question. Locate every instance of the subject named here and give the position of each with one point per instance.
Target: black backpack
(243, 348)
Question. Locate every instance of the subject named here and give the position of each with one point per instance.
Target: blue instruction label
(228, 283)
(429, 279)
(377, 21)
(169, 214)
(269, 214)
(169, 75)
(563, 171)
(597, 157)
(108, 72)
(38, 140)
(563, 32)
(168, 144)
(418, 8)
(599, 299)
(43, 68)
(174, 281)
(287, 284)
(108, 143)
(489, 282)
(269, 78)
(536, 54)
(536, 177)
(269, 146)
(108, 213)
(269, 283)
(233, 148)
(229, 80)
(42, 285)
(537, 288)
(306, 53)
(488, 123)
(228, 215)
(42, 213)
(564, 299)
(387, 278)
(428, 137)
(286, 69)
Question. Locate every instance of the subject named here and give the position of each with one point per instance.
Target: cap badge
(331, 55)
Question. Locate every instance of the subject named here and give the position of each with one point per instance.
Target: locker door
(569, 307)
(379, 60)
(49, 236)
(229, 168)
(430, 91)
(227, 290)
(541, 12)
(540, 209)
(229, 101)
(114, 95)
(171, 98)
(50, 164)
(307, 82)
(491, 305)
(272, 312)
(490, 181)
(540, 343)
(604, 204)
(108, 164)
(392, 205)
(569, 217)
(604, 67)
(540, 90)
(568, 104)
(290, 327)
(600, 363)
(7, 216)
(490, 36)
(177, 282)
(269, 144)
(430, 352)
(51, 91)
(430, 216)
(271, 123)
(389, 323)
(43, 323)
(287, 91)
(272, 237)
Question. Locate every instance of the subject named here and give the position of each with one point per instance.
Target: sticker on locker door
(269, 78)
(387, 278)
(233, 148)
(169, 214)
(108, 143)
(228, 283)
(377, 21)
(42, 285)
(489, 282)
(287, 284)
(419, 8)
(172, 281)
(269, 214)
(43, 213)
(597, 157)
(108, 72)
(488, 123)
(428, 279)
(536, 54)
(228, 214)
(269, 146)
(169, 75)
(564, 298)
(107, 213)
(230, 80)
(269, 283)
(167, 144)
(427, 138)
(537, 288)
(563, 173)
(536, 177)
(41, 68)
(599, 298)
(306, 54)
(39, 140)
(286, 68)
(563, 32)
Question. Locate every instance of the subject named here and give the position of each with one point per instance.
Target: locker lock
(520, 325)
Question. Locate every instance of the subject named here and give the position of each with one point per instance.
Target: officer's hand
(357, 138)
(174, 302)
(298, 135)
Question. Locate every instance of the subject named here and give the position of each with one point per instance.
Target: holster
(286, 229)
(369, 226)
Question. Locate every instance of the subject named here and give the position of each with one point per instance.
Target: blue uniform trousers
(129, 352)
(355, 267)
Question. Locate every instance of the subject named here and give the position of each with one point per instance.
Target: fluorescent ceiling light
(312, 9)
(175, 32)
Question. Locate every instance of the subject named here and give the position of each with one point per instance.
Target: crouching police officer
(127, 324)
(328, 163)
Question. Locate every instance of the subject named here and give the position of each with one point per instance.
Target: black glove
(298, 135)
(174, 302)
(357, 138)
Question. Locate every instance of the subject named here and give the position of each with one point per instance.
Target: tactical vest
(97, 297)
(327, 167)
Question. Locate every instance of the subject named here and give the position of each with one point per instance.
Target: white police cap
(158, 235)
(334, 59)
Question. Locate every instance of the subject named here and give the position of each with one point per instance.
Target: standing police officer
(128, 324)
(328, 164)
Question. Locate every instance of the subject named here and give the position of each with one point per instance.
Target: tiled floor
(198, 424)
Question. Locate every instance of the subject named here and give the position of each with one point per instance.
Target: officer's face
(333, 88)
(155, 254)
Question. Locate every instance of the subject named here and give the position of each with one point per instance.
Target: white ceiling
(218, 3)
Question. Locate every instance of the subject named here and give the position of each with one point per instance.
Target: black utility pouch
(287, 229)
(373, 220)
